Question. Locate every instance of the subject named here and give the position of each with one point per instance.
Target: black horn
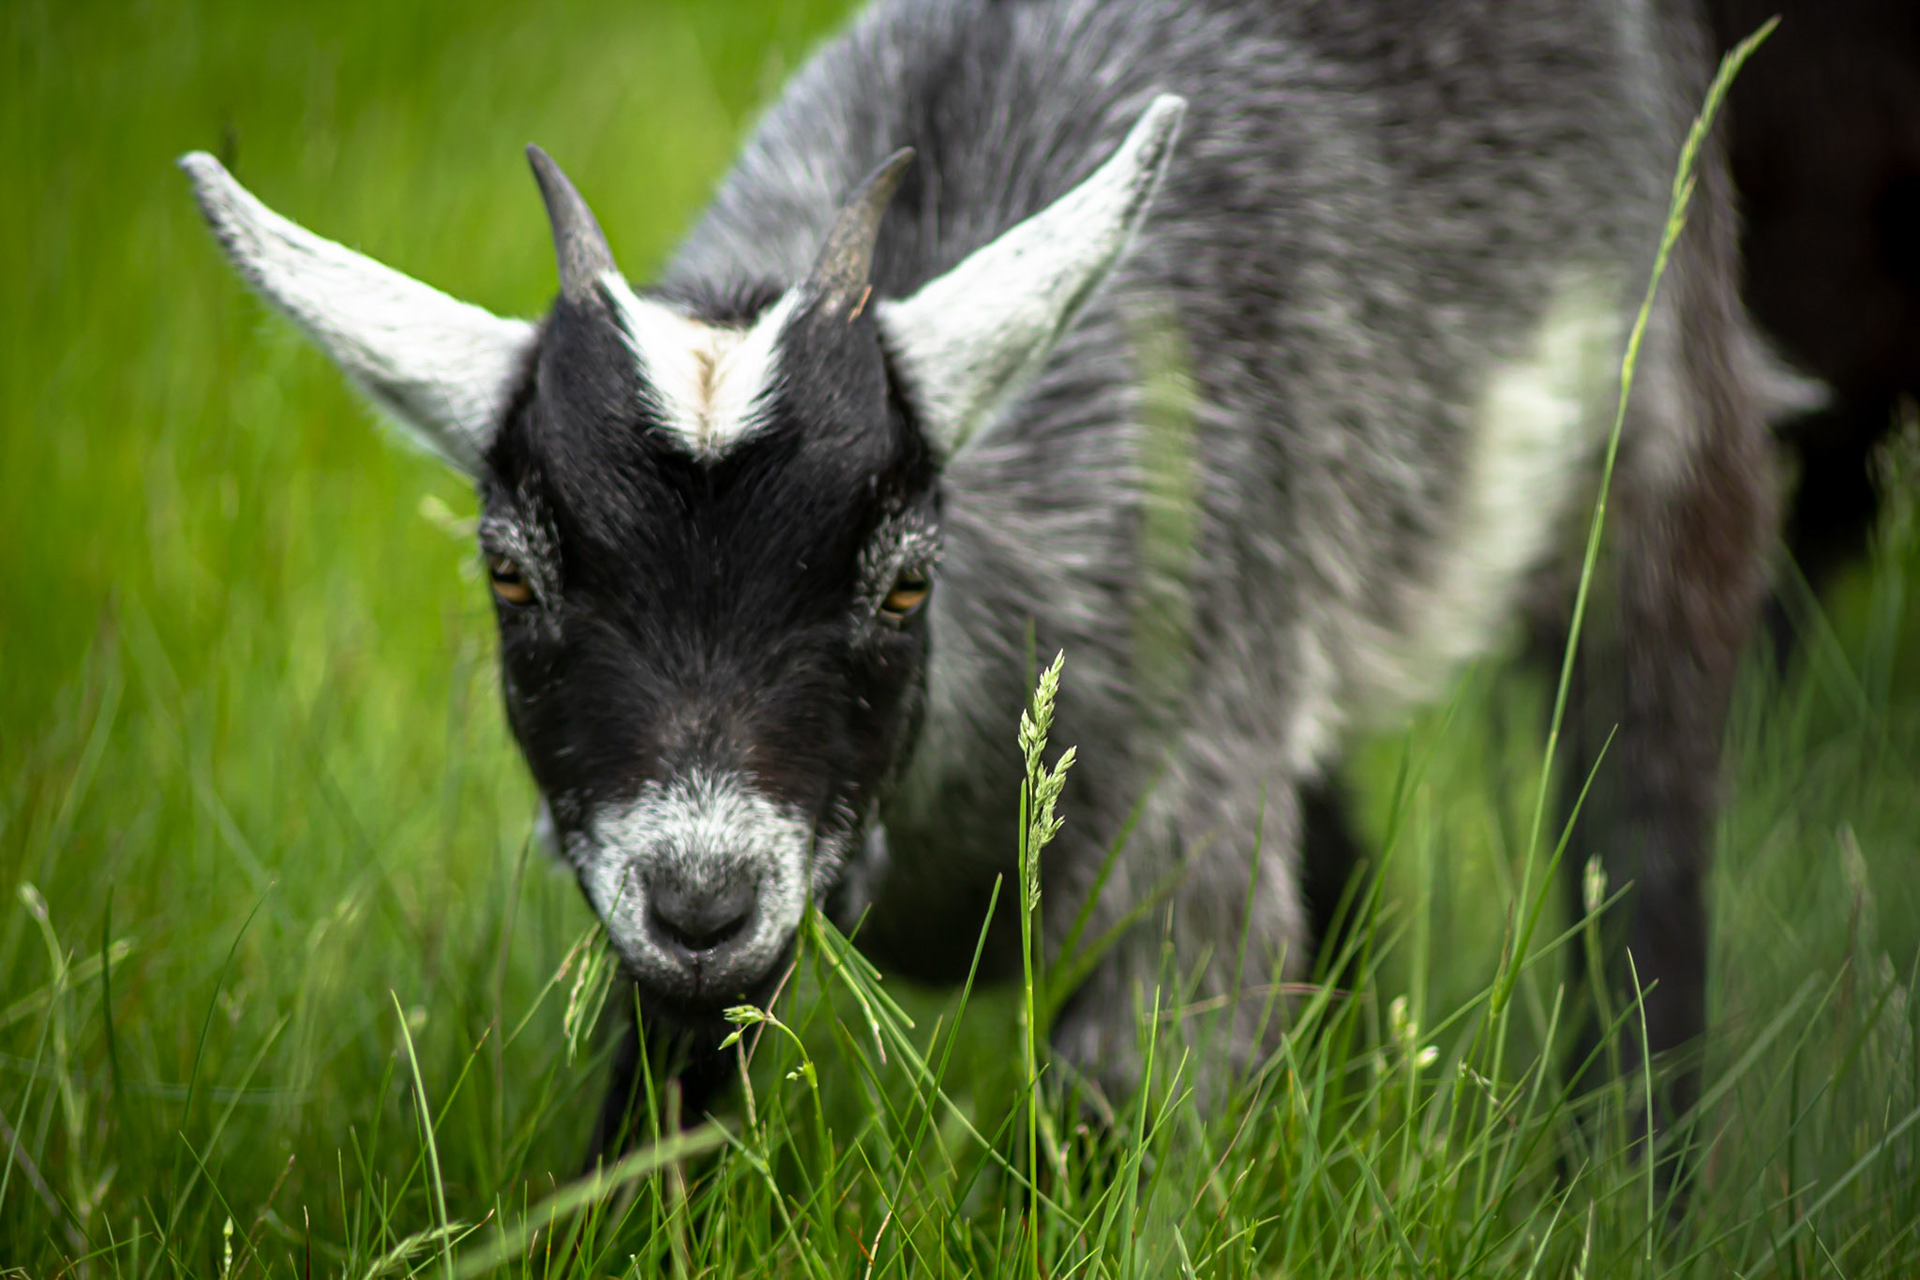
(840, 273)
(578, 242)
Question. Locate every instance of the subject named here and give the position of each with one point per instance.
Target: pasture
(286, 989)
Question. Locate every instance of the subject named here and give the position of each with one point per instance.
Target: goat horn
(840, 273)
(578, 242)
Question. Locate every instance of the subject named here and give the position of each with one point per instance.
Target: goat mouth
(698, 998)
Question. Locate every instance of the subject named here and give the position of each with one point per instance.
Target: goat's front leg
(613, 1130)
(1219, 936)
(681, 1061)
(1692, 527)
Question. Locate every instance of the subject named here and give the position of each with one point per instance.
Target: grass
(287, 992)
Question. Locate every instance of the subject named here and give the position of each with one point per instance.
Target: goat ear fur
(443, 369)
(969, 340)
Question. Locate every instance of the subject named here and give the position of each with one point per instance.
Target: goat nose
(694, 922)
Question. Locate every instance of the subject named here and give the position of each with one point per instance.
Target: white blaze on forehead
(711, 380)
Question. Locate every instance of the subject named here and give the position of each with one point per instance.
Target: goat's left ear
(969, 340)
(444, 369)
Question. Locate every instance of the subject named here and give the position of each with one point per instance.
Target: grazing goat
(772, 540)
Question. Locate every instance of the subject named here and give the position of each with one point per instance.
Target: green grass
(286, 992)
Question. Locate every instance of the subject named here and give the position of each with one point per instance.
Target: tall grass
(287, 990)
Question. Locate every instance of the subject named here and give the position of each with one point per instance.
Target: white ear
(444, 369)
(969, 340)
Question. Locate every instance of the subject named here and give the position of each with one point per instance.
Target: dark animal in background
(1825, 154)
(769, 538)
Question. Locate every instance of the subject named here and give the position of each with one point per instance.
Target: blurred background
(258, 808)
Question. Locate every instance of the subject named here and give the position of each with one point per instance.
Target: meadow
(287, 989)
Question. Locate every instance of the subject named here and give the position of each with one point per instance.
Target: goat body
(1269, 429)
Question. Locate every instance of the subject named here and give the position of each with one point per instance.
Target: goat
(771, 541)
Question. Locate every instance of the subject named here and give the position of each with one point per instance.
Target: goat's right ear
(445, 370)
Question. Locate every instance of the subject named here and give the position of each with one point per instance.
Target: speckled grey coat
(1399, 248)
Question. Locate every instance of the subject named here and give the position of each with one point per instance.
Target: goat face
(712, 630)
(712, 525)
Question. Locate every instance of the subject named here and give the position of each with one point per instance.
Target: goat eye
(910, 591)
(509, 584)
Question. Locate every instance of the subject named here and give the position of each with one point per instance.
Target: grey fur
(1368, 211)
(1328, 429)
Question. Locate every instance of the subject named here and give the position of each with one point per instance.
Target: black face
(713, 659)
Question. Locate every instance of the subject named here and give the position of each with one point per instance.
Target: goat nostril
(698, 923)
(696, 938)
